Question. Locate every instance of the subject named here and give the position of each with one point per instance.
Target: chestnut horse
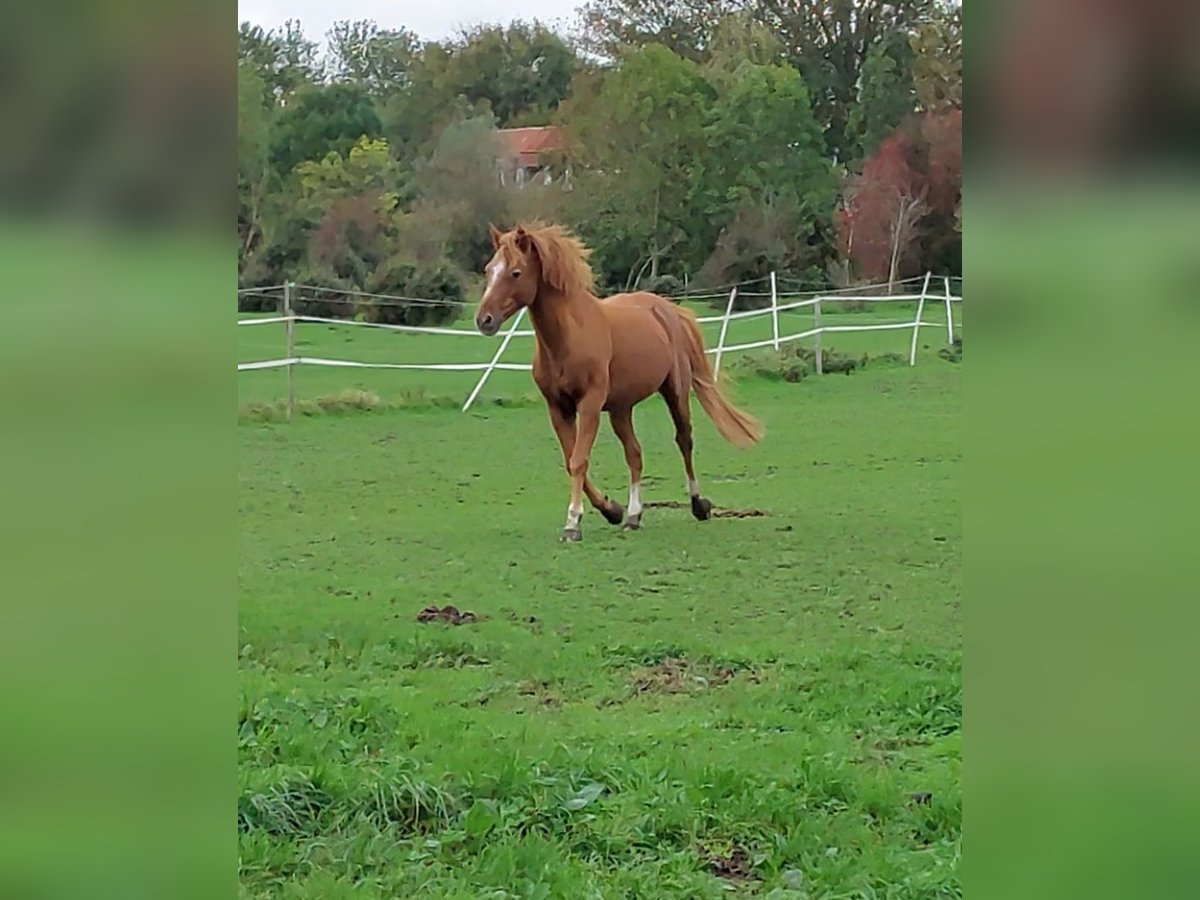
(608, 355)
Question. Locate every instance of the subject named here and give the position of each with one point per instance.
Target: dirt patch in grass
(541, 691)
(719, 512)
(451, 615)
(730, 862)
(676, 675)
(533, 623)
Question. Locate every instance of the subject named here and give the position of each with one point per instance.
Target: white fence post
(949, 312)
(817, 337)
(912, 354)
(508, 336)
(724, 328)
(290, 326)
(774, 313)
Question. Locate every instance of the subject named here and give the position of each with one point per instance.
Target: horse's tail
(737, 427)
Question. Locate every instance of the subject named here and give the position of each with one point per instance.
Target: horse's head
(513, 274)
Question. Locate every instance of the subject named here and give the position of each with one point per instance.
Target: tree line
(708, 142)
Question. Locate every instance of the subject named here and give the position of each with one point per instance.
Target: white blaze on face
(495, 271)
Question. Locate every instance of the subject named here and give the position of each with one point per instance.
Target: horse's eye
(516, 273)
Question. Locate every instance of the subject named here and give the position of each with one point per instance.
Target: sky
(431, 19)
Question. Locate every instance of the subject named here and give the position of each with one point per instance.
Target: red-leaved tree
(899, 215)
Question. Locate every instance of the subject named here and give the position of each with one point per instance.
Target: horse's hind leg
(622, 423)
(679, 403)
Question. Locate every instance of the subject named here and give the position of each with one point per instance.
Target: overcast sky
(431, 19)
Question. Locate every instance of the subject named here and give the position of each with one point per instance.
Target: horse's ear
(523, 241)
(495, 234)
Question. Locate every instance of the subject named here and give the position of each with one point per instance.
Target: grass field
(764, 706)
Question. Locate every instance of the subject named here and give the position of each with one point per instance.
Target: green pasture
(767, 706)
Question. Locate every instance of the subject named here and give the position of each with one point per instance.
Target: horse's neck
(560, 318)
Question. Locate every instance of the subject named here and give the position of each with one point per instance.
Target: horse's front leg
(585, 437)
(565, 430)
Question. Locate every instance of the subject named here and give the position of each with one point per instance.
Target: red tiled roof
(528, 144)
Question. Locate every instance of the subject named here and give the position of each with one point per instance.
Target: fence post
(912, 354)
(820, 363)
(724, 328)
(949, 312)
(774, 313)
(290, 325)
(508, 336)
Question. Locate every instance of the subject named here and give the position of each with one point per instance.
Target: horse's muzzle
(487, 324)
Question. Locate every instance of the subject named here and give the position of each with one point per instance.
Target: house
(531, 153)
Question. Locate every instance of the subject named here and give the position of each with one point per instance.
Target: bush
(322, 294)
(794, 363)
(776, 235)
(745, 299)
(256, 275)
(663, 285)
(774, 366)
(439, 284)
(267, 301)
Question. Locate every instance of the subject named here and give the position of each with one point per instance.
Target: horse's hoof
(613, 514)
(701, 509)
(633, 523)
(572, 534)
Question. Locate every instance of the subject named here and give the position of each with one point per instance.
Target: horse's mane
(563, 257)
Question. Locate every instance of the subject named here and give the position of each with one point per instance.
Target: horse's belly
(642, 358)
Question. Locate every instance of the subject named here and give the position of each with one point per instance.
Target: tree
(460, 190)
(638, 140)
(829, 42)
(900, 214)
(283, 58)
(254, 172)
(760, 238)
(380, 61)
(765, 167)
(612, 28)
(885, 204)
(322, 119)
(886, 96)
(348, 217)
(414, 116)
(937, 65)
(367, 169)
(740, 38)
(523, 71)
(939, 160)
(329, 206)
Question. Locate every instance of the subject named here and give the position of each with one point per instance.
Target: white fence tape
(431, 367)
(411, 329)
(274, 320)
(353, 364)
(773, 310)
